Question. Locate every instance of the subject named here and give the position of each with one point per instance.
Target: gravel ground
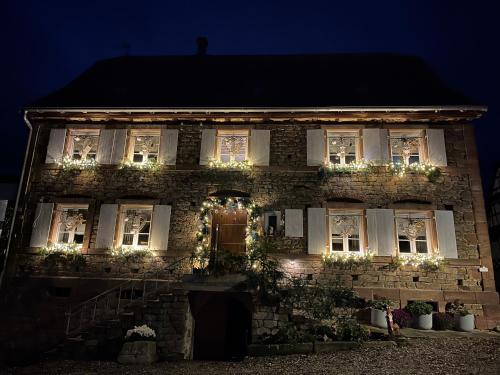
(462, 356)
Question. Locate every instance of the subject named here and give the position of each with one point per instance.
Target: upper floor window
(345, 230)
(143, 146)
(406, 146)
(135, 224)
(69, 224)
(413, 232)
(82, 144)
(232, 145)
(343, 147)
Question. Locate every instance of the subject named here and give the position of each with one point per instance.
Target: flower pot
(423, 321)
(466, 323)
(378, 318)
(138, 352)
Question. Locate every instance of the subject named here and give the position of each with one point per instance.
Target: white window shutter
(446, 237)
(41, 224)
(160, 227)
(376, 145)
(294, 223)
(168, 146)
(436, 147)
(207, 149)
(381, 231)
(315, 147)
(119, 143)
(259, 147)
(55, 148)
(316, 230)
(106, 226)
(105, 146)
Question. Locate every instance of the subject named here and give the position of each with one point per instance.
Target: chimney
(202, 44)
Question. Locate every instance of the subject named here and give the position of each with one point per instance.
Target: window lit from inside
(345, 230)
(82, 144)
(70, 224)
(136, 226)
(406, 148)
(413, 230)
(342, 147)
(144, 147)
(232, 146)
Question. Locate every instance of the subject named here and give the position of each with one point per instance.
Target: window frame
(221, 133)
(131, 140)
(360, 213)
(409, 133)
(69, 141)
(430, 231)
(354, 133)
(123, 208)
(55, 228)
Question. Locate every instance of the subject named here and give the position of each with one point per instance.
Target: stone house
(346, 156)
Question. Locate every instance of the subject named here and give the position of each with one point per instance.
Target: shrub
(418, 308)
(140, 333)
(287, 335)
(402, 318)
(442, 321)
(350, 330)
(380, 304)
(321, 332)
(457, 308)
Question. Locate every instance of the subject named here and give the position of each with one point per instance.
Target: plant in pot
(464, 319)
(422, 314)
(378, 312)
(139, 346)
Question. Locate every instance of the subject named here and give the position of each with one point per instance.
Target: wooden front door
(229, 231)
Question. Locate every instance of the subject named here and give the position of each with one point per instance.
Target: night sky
(48, 43)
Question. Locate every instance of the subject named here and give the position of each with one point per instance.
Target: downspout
(19, 190)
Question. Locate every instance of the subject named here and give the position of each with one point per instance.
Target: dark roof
(256, 81)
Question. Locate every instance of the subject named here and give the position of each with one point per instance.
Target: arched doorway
(222, 325)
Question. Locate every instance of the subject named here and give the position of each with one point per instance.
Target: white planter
(378, 318)
(466, 323)
(423, 321)
(138, 352)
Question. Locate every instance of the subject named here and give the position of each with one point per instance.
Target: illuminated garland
(63, 253)
(430, 171)
(244, 165)
(350, 260)
(129, 253)
(201, 254)
(148, 165)
(68, 163)
(423, 261)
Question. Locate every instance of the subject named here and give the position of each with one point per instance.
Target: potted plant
(422, 314)
(378, 312)
(464, 319)
(139, 346)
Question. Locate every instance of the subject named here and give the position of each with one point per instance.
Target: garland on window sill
(430, 171)
(331, 169)
(201, 256)
(63, 254)
(148, 165)
(69, 164)
(347, 261)
(244, 165)
(129, 254)
(424, 262)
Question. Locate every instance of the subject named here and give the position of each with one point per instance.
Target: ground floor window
(414, 232)
(135, 226)
(345, 230)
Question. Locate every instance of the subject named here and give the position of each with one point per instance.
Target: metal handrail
(91, 305)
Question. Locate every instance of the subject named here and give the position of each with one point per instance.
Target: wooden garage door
(232, 231)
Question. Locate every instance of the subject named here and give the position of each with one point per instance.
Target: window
(343, 147)
(69, 223)
(345, 231)
(232, 145)
(406, 147)
(143, 146)
(82, 144)
(136, 225)
(413, 231)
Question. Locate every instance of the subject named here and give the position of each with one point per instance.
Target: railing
(110, 303)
